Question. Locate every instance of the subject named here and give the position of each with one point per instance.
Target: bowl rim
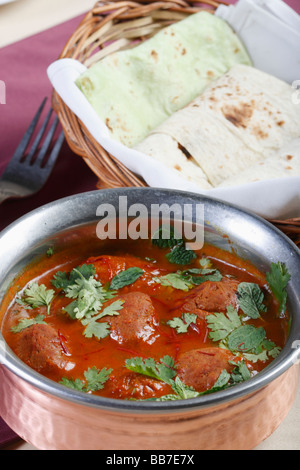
(288, 357)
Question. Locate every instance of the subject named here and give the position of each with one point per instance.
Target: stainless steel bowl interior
(65, 221)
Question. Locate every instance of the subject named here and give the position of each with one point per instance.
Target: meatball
(201, 368)
(125, 385)
(40, 347)
(107, 266)
(136, 320)
(212, 297)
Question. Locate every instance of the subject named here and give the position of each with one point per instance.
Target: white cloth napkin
(270, 30)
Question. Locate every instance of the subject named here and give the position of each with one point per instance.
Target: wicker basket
(108, 27)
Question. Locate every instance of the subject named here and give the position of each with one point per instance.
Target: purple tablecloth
(23, 69)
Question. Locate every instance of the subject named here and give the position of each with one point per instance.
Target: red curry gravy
(141, 328)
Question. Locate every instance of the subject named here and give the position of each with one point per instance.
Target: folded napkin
(270, 30)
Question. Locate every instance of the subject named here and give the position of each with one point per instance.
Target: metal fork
(25, 174)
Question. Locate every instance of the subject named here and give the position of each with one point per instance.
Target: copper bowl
(53, 417)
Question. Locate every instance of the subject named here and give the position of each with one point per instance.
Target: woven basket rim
(115, 24)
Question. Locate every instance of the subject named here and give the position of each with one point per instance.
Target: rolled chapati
(135, 90)
(239, 120)
(284, 163)
(173, 156)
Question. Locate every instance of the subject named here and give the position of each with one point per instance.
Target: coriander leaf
(175, 280)
(82, 284)
(165, 237)
(262, 356)
(76, 384)
(278, 279)
(88, 303)
(222, 381)
(225, 380)
(170, 397)
(23, 303)
(85, 270)
(38, 295)
(221, 324)
(181, 255)
(181, 324)
(240, 373)
(71, 309)
(205, 274)
(183, 391)
(163, 370)
(245, 338)
(26, 322)
(89, 295)
(50, 251)
(110, 310)
(125, 278)
(274, 352)
(251, 299)
(96, 379)
(216, 276)
(263, 352)
(98, 329)
(62, 280)
(166, 368)
(101, 330)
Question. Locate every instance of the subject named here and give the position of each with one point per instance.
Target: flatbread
(284, 163)
(170, 154)
(135, 90)
(239, 120)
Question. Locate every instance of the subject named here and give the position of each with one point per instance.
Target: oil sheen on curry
(147, 319)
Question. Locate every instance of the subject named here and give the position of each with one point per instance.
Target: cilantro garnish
(222, 325)
(239, 337)
(89, 294)
(38, 296)
(50, 251)
(125, 278)
(26, 322)
(181, 255)
(251, 299)
(102, 329)
(182, 391)
(165, 237)
(202, 275)
(245, 338)
(63, 280)
(163, 370)
(240, 373)
(181, 324)
(278, 279)
(94, 380)
(175, 280)
(185, 280)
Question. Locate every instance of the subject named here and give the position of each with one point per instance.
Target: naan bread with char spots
(135, 90)
(239, 121)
